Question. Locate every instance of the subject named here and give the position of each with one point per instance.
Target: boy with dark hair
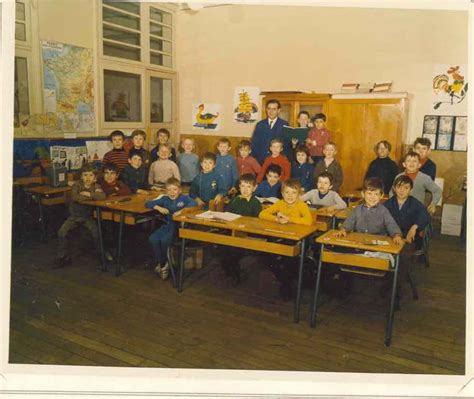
(171, 203)
(422, 146)
(383, 167)
(302, 170)
(323, 196)
(226, 166)
(117, 156)
(138, 142)
(245, 162)
(135, 175)
(276, 147)
(244, 204)
(271, 187)
(421, 182)
(163, 136)
(207, 185)
(80, 215)
(110, 183)
(318, 136)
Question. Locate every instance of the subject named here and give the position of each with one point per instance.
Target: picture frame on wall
(430, 124)
(446, 132)
(461, 125)
(444, 142)
(446, 125)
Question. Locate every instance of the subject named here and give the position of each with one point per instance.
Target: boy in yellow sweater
(291, 209)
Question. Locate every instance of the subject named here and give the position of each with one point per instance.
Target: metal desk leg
(334, 221)
(296, 316)
(41, 217)
(314, 310)
(118, 269)
(181, 266)
(101, 242)
(388, 332)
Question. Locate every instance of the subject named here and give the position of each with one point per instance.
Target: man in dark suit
(266, 130)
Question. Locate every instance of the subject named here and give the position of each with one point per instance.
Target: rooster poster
(206, 116)
(450, 89)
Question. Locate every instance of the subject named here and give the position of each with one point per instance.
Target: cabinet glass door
(312, 109)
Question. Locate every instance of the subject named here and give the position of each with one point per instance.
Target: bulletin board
(446, 132)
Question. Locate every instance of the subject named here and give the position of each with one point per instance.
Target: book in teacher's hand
(300, 133)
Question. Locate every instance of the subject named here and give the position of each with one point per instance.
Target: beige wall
(314, 49)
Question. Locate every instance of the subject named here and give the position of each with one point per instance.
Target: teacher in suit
(266, 130)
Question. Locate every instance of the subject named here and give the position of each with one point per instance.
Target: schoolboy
(244, 204)
(276, 147)
(330, 165)
(226, 166)
(163, 168)
(85, 189)
(245, 162)
(422, 146)
(160, 240)
(303, 121)
(302, 170)
(110, 183)
(163, 136)
(318, 136)
(421, 182)
(138, 142)
(271, 187)
(188, 162)
(118, 155)
(135, 175)
(323, 195)
(383, 167)
(291, 209)
(207, 185)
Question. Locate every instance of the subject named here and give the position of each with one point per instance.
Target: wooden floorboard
(79, 315)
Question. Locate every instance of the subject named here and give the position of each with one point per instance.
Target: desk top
(47, 190)
(133, 203)
(24, 181)
(253, 225)
(360, 241)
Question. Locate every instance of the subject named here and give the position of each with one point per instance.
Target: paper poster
(96, 149)
(246, 100)
(206, 116)
(450, 88)
(71, 157)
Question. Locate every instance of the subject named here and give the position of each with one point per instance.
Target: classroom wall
(314, 49)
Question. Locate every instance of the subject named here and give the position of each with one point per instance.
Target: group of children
(313, 178)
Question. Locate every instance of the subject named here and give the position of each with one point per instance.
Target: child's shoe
(158, 268)
(108, 256)
(165, 271)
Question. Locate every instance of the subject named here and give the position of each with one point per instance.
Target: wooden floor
(81, 316)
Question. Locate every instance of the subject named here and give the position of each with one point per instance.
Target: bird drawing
(205, 119)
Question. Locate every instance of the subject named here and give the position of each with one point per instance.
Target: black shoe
(59, 263)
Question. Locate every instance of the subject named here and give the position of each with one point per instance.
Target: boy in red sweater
(318, 136)
(276, 147)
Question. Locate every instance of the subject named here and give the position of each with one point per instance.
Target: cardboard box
(451, 229)
(452, 214)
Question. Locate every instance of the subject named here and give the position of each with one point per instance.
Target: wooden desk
(364, 242)
(125, 209)
(239, 230)
(47, 195)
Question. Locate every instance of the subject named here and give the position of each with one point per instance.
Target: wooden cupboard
(357, 121)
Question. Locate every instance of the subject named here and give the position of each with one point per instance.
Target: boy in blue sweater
(171, 203)
(226, 166)
(135, 174)
(208, 185)
(302, 170)
(272, 186)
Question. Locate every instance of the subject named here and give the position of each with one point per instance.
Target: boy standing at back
(318, 136)
(207, 185)
(422, 146)
(226, 165)
(163, 168)
(245, 162)
(329, 164)
(117, 156)
(276, 147)
(188, 162)
(163, 136)
(138, 142)
(85, 189)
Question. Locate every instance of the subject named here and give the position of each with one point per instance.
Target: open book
(300, 133)
(213, 215)
(271, 200)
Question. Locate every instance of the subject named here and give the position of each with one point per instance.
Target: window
(161, 44)
(122, 97)
(21, 104)
(20, 21)
(161, 100)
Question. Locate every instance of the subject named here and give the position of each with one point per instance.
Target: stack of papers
(272, 200)
(210, 215)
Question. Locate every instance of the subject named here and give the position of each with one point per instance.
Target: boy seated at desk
(323, 195)
(164, 168)
(80, 215)
(135, 175)
(171, 203)
(117, 155)
(421, 182)
(208, 185)
(291, 209)
(110, 183)
(270, 188)
(244, 204)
